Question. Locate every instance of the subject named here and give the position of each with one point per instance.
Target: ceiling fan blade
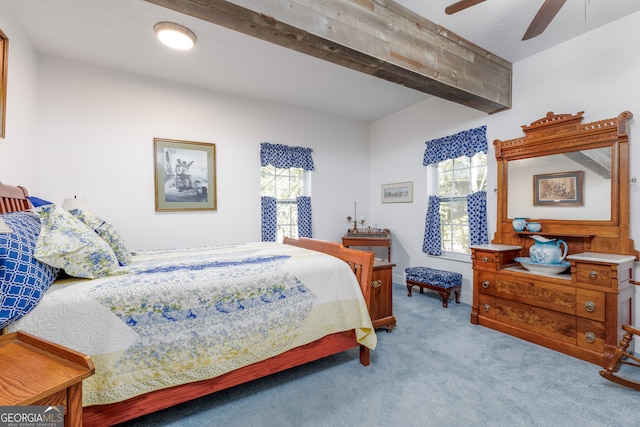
(461, 5)
(543, 18)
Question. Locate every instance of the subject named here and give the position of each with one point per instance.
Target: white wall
(596, 73)
(18, 150)
(95, 130)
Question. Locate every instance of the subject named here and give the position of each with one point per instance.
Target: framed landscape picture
(558, 189)
(400, 192)
(185, 175)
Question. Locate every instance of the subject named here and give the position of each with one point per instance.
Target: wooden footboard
(361, 262)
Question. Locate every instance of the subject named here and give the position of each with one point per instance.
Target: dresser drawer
(549, 323)
(487, 306)
(485, 281)
(485, 261)
(590, 304)
(591, 335)
(536, 292)
(594, 275)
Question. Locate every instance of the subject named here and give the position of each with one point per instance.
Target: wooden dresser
(579, 313)
(573, 179)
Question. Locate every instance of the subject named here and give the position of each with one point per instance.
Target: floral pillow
(107, 232)
(67, 243)
(23, 279)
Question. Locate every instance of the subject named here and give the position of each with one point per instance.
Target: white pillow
(65, 242)
(107, 232)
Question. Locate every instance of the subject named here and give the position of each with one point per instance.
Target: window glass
(286, 185)
(456, 179)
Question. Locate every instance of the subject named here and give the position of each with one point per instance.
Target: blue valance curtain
(465, 143)
(283, 156)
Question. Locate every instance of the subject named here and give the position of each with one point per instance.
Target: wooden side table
(381, 310)
(36, 372)
(382, 239)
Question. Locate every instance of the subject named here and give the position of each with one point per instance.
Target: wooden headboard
(13, 198)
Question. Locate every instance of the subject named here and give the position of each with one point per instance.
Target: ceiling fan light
(175, 35)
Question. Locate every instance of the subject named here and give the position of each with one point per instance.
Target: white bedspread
(173, 317)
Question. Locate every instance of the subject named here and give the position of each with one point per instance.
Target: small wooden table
(382, 239)
(36, 372)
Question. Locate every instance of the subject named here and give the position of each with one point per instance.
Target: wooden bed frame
(14, 198)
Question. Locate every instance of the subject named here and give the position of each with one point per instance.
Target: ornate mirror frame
(564, 133)
(4, 59)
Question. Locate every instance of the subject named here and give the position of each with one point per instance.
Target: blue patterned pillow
(23, 278)
(67, 243)
(107, 232)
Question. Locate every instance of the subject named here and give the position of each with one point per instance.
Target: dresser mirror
(597, 185)
(596, 153)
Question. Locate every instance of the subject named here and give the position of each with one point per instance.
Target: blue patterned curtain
(432, 244)
(284, 157)
(304, 217)
(465, 143)
(477, 209)
(268, 219)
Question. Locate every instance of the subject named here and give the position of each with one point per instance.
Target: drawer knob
(485, 284)
(593, 274)
(376, 283)
(590, 337)
(486, 308)
(485, 259)
(590, 306)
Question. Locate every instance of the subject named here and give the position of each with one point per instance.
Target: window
(286, 185)
(456, 179)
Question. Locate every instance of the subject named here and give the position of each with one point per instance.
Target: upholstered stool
(443, 282)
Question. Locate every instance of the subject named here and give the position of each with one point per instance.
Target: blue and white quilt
(173, 317)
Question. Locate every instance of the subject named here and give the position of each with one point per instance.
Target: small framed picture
(400, 192)
(185, 175)
(558, 189)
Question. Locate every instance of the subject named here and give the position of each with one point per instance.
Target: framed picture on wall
(185, 175)
(558, 189)
(399, 192)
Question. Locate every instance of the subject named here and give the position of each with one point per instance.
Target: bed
(171, 326)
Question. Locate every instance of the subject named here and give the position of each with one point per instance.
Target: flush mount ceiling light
(175, 35)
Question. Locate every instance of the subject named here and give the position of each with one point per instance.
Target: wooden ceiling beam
(377, 37)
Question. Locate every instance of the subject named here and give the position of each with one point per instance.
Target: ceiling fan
(543, 18)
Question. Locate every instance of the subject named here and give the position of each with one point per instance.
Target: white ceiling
(119, 34)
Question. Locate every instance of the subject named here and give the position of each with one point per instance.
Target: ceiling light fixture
(175, 35)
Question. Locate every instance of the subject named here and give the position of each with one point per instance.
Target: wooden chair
(621, 357)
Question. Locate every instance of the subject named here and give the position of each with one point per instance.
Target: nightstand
(381, 309)
(36, 372)
(366, 238)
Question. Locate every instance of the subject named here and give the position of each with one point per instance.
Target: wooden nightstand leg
(73, 418)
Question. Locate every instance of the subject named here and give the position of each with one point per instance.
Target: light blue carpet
(434, 369)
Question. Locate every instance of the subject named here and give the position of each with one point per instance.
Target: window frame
(289, 229)
(446, 200)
